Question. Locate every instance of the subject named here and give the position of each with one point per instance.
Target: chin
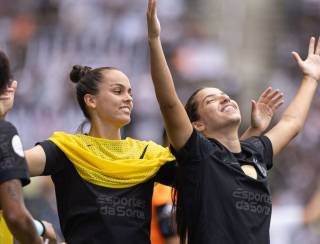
(124, 122)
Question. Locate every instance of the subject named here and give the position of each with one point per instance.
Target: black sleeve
(196, 148)
(12, 161)
(55, 158)
(263, 146)
(167, 174)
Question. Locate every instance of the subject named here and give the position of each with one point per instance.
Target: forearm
(15, 214)
(297, 111)
(23, 229)
(161, 75)
(176, 120)
(312, 211)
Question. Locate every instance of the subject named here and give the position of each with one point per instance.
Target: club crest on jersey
(17, 145)
(262, 170)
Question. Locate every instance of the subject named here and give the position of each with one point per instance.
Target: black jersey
(94, 214)
(222, 204)
(12, 161)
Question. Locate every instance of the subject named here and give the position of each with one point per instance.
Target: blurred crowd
(45, 38)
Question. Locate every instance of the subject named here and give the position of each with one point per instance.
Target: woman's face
(216, 110)
(114, 99)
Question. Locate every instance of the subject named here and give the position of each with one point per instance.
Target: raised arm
(294, 116)
(262, 112)
(176, 120)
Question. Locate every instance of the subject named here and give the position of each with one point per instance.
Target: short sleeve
(167, 174)
(196, 148)
(55, 158)
(12, 161)
(263, 146)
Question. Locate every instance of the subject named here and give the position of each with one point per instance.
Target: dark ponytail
(181, 210)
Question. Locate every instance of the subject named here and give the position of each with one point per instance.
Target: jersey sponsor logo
(122, 206)
(254, 202)
(17, 145)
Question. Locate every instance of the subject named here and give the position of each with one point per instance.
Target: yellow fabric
(5, 235)
(112, 163)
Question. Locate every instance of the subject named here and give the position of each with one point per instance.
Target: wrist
(253, 128)
(40, 227)
(310, 78)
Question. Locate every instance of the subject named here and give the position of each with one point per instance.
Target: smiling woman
(223, 193)
(94, 88)
(103, 183)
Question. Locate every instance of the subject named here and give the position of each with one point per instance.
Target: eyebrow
(121, 85)
(212, 95)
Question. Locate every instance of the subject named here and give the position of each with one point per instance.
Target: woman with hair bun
(103, 183)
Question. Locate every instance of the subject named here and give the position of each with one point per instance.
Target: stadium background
(239, 46)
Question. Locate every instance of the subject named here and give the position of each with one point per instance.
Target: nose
(128, 97)
(225, 98)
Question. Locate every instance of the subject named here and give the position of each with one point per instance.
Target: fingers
(265, 93)
(311, 46)
(14, 84)
(276, 101)
(268, 94)
(253, 105)
(8, 93)
(297, 57)
(277, 105)
(272, 98)
(4, 97)
(151, 7)
(318, 47)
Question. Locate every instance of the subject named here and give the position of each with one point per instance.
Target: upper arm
(177, 123)
(167, 174)
(281, 134)
(36, 160)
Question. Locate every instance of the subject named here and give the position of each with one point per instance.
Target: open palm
(152, 19)
(263, 110)
(311, 65)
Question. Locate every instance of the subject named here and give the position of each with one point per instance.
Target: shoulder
(257, 143)
(261, 148)
(7, 130)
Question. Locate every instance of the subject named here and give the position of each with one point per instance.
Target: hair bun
(78, 72)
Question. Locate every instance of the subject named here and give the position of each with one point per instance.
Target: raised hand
(152, 19)
(311, 65)
(263, 110)
(7, 98)
(49, 234)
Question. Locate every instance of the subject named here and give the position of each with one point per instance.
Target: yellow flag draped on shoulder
(5, 235)
(112, 163)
